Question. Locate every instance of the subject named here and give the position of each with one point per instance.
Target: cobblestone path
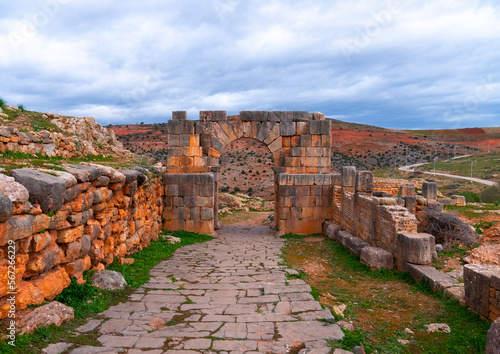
(228, 295)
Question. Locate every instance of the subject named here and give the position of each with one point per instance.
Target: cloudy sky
(395, 63)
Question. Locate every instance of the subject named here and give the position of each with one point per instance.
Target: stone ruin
(63, 223)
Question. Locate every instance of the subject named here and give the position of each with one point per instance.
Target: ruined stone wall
(305, 202)
(189, 202)
(60, 224)
(392, 186)
(377, 221)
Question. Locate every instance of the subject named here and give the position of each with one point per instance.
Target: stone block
(348, 176)
(302, 116)
(287, 128)
(407, 190)
(318, 116)
(16, 228)
(364, 182)
(330, 229)
(15, 191)
(52, 283)
(447, 201)
(430, 190)
(213, 116)
(377, 258)
(179, 115)
(477, 278)
(207, 214)
(44, 189)
(436, 279)
(353, 244)
(416, 248)
(411, 203)
(460, 200)
(6, 208)
(493, 338)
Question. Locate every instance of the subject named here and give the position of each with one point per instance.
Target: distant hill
(364, 146)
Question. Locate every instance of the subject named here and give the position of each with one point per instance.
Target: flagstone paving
(228, 295)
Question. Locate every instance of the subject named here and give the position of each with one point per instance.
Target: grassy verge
(382, 304)
(88, 301)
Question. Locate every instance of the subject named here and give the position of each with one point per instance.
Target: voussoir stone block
(377, 258)
(44, 189)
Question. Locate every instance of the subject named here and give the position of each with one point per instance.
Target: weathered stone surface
(457, 293)
(477, 279)
(353, 244)
(308, 331)
(44, 189)
(493, 341)
(68, 178)
(6, 208)
(51, 284)
(53, 313)
(15, 191)
(437, 280)
(430, 190)
(377, 258)
(416, 248)
(331, 229)
(17, 227)
(109, 280)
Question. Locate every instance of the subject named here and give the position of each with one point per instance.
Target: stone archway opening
(300, 143)
(246, 184)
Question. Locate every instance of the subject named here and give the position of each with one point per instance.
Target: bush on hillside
(470, 197)
(491, 194)
(447, 227)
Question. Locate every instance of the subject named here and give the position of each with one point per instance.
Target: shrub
(470, 197)
(491, 194)
(2, 102)
(447, 227)
(21, 107)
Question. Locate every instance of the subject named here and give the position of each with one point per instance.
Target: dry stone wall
(63, 223)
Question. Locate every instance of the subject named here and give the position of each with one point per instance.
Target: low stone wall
(391, 186)
(304, 202)
(375, 220)
(56, 225)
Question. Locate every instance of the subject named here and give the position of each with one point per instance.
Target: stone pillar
(430, 190)
(305, 203)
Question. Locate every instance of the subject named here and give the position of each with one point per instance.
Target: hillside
(352, 144)
(34, 139)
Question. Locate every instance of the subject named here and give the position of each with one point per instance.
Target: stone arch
(301, 146)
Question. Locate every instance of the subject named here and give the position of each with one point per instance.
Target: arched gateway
(300, 143)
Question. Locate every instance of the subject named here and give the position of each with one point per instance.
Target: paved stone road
(229, 295)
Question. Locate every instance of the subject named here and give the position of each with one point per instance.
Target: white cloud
(364, 61)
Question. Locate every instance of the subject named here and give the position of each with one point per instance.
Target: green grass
(484, 164)
(468, 331)
(49, 162)
(87, 300)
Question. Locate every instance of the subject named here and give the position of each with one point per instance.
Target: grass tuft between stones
(88, 300)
